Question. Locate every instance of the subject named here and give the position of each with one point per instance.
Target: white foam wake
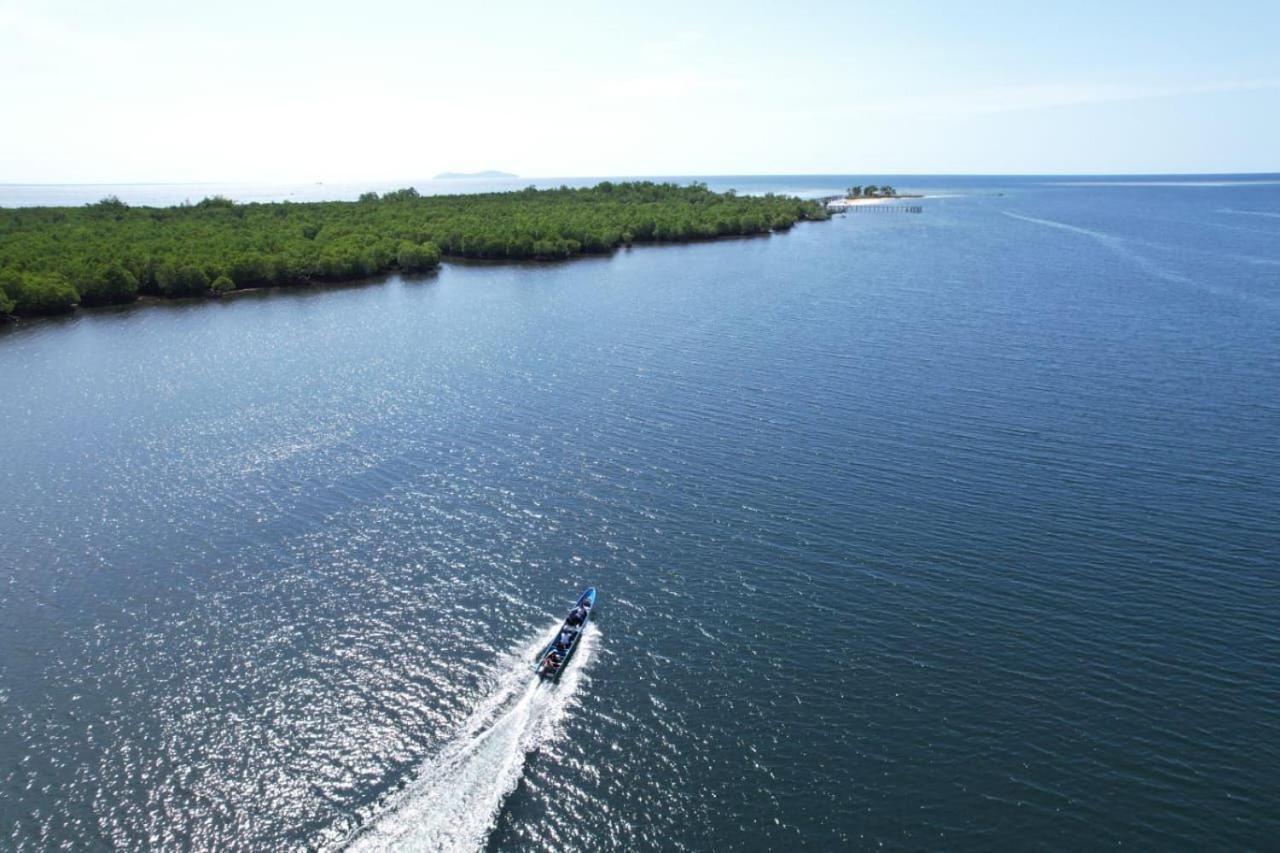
(456, 797)
(1122, 247)
(1270, 214)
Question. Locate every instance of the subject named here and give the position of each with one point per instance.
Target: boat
(554, 657)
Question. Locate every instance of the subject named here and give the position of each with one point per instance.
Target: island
(488, 173)
(859, 195)
(53, 259)
(871, 191)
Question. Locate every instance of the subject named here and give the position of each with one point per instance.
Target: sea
(950, 529)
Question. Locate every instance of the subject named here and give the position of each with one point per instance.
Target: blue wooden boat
(554, 657)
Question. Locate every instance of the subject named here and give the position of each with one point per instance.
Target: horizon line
(211, 182)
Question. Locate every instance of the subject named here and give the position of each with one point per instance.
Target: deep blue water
(953, 530)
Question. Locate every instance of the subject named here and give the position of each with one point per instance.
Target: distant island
(871, 191)
(856, 196)
(488, 173)
(55, 258)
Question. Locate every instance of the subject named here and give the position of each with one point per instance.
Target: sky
(142, 91)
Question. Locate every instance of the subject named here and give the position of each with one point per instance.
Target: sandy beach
(844, 203)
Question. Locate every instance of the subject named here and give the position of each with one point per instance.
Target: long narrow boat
(554, 657)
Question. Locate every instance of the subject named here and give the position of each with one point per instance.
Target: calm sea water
(954, 530)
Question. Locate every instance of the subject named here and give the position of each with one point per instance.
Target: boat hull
(587, 598)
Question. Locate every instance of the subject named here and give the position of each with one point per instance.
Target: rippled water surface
(955, 529)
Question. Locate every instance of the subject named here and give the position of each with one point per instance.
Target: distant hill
(488, 173)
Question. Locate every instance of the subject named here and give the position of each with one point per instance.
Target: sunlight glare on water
(453, 801)
(952, 529)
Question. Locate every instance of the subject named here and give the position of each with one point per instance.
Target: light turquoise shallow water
(944, 530)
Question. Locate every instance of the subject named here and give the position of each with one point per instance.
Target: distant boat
(553, 659)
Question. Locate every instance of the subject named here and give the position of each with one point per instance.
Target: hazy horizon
(423, 178)
(148, 92)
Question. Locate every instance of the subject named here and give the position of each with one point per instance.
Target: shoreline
(838, 204)
(54, 260)
(12, 321)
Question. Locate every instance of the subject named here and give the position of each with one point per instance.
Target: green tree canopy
(109, 251)
(107, 284)
(38, 292)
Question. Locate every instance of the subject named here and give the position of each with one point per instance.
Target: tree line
(872, 191)
(53, 258)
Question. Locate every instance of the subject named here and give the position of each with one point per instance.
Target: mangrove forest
(53, 258)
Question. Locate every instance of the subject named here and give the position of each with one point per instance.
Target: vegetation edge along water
(55, 258)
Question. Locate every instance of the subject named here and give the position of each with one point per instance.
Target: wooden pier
(840, 204)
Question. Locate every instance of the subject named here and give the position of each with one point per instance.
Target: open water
(955, 529)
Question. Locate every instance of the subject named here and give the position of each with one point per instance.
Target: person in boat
(578, 616)
(565, 638)
(552, 662)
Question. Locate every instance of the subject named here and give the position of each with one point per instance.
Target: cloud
(1037, 96)
(662, 84)
(674, 45)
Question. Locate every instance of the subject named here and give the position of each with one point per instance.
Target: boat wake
(1123, 248)
(1270, 214)
(454, 800)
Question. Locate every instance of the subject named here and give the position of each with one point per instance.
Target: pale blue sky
(376, 90)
